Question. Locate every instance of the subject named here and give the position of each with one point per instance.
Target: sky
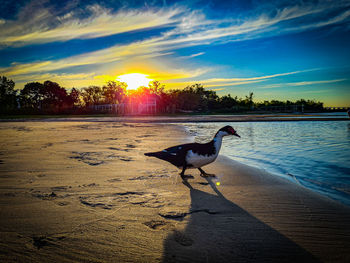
(284, 50)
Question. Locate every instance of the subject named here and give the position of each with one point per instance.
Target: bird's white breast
(197, 160)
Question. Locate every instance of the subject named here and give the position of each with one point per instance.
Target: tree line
(50, 98)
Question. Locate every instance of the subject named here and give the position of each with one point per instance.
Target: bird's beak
(235, 134)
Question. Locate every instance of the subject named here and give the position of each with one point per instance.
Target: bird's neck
(217, 141)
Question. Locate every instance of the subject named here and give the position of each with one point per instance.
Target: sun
(134, 80)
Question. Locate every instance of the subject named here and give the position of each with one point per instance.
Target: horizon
(275, 49)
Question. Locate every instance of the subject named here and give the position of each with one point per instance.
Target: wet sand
(83, 191)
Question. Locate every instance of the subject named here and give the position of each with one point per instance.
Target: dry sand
(84, 191)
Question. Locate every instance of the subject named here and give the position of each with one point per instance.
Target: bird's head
(228, 130)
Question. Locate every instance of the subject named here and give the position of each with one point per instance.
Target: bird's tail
(161, 155)
(152, 154)
(165, 156)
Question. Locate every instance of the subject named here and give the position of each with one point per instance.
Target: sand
(84, 192)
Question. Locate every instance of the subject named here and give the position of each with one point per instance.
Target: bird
(194, 155)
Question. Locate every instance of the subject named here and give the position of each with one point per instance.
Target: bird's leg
(204, 174)
(182, 174)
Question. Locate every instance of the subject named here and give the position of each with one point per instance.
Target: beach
(83, 191)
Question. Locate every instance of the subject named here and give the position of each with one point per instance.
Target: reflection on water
(315, 153)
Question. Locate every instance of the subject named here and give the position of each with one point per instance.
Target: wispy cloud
(40, 24)
(217, 83)
(192, 55)
(220, 80)
(306, 83)
(301, 83)
(43, 26)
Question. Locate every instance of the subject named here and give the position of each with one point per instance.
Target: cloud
(231, 82)
(302, 83)
(306, 83)
(192, 55)
(36, 24)
(226, 82)
(43, 25)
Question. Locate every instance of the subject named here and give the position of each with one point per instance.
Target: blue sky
(276, 49)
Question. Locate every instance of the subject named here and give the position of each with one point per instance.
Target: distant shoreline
(177, 118)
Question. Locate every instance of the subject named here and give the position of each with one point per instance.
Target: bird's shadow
(220, 231)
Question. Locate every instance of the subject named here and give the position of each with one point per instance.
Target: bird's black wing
(176, 150)
(175, 155)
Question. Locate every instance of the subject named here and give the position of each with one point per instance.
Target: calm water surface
(315, 154)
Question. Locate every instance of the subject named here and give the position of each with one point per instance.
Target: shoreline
(84, 191)
(184, 119)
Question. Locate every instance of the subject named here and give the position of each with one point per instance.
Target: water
(315, 154)
(332, 115)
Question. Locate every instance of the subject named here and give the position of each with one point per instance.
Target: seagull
(194, 155)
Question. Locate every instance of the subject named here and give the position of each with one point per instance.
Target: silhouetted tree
(114, 92)
(31, 96)
(51, 97)
(55, 97)
(8, 96)
(249, 100)
(156, 87)
(92, 95)
(227, 102)
(75, 97)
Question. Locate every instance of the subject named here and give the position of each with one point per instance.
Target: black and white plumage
(194, 155)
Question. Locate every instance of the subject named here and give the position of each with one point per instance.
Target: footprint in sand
(90, 158)
(22, 128)
(108, 201)
(146, 177)
(114, 180)
(59, 188)
(86, 202)
(98, 158)
(42, 241)
(182, 239)
(112, 139)
(158, 224)
(46, 145)
(45, 196)
(175, 215)
(118, 149)
(90, 185)
(145, 136)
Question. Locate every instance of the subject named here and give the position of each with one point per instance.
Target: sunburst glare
(134, 80)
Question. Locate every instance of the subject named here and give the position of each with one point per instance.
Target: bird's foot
(204, 174)
(207, 175)
(185, 176)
